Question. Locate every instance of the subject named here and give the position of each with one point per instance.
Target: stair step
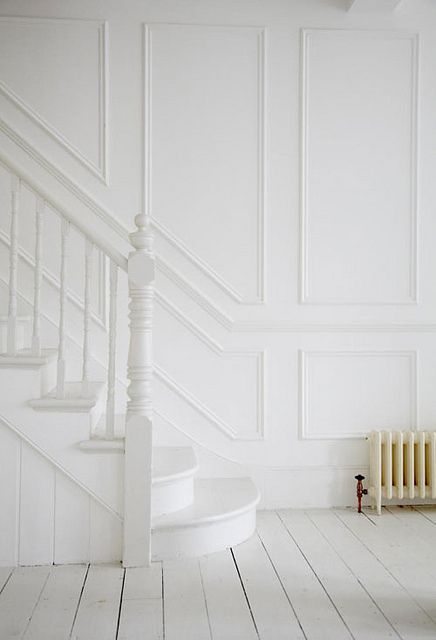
(26, 359)
(173, 479)
(75, 400)
(222, 515)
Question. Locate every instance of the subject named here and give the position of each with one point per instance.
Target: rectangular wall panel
(348, 393)
(204, 149)
(359, 103)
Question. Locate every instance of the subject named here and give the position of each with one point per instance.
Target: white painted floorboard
(310, 575)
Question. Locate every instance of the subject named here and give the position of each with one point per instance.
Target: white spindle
(110, 404)
(39, 221)
(89, 250)
(65, 229)
(138, 456)
(13, 267)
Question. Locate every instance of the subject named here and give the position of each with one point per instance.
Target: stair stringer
(48, 515)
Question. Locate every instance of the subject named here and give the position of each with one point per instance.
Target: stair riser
(22, 334)
(169, 544)
(21, 384)
(169, 497)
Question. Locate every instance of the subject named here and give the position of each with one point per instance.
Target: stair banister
(138, 446)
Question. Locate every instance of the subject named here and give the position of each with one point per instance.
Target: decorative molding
(304, 356)
(195, 294)
(326, 327)
(100, 317)
(305, 297)
(219, 351)
(164, 232)
(100, 171)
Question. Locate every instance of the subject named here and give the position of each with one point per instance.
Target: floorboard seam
(387, 570)
(205, 601)
(79, 601)
(283, 587)
(245, 593)
(121, 603)
(317, 577)
(355, 576)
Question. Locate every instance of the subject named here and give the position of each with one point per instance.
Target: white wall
(285, 150)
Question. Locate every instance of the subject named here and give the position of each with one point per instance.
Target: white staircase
(72, 424)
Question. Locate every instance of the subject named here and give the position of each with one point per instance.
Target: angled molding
(100, 170)
(304, 388)
(258, 356)
(304, 280)
(161, 229)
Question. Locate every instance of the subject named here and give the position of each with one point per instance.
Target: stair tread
(74, 398)
(171, 463)
(25, 358)
(214, 499)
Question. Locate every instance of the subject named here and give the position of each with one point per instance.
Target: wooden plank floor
(315, 575)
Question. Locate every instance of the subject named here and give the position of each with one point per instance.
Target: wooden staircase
(165, 511)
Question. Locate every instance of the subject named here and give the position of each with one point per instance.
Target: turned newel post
(138, 456)
(141, 293)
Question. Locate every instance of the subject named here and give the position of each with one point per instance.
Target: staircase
(72, 427)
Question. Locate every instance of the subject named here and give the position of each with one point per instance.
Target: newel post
(138, 456)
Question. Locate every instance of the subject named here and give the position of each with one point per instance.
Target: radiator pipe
(360, 491)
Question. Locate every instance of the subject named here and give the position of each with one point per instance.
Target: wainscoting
(314, 574)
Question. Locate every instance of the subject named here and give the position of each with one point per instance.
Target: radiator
(402, 465)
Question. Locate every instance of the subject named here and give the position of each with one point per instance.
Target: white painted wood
(141, 615)
(86, 362)
(388, 543)
(39, 225)
(37, 500)
(137, 492)
(72, 522)
(53, 616)
(111, 377)
(271, 608)
(398, 606)
(97, 616)
(222, 515)
(106, 536)
(19, 598)
(298, 580)
(185, 609)
(138, 453)
(358, 611)
(229, 614)
(172, 479)
(10, 463)
(13, 267)
(60, 387)
(5, 574)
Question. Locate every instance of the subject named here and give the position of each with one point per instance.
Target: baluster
(60, 390)
(110, 404)
(89, 250)
(138, 446)
(13, 267)
(39, 222)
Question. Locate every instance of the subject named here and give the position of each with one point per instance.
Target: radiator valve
(360, 492)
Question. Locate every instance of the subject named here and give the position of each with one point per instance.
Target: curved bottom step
(222, 515)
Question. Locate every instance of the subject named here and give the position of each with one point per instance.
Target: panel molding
(259, 357)
(168, 235)
(304, 291)
(304, 388)
(100, 170)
